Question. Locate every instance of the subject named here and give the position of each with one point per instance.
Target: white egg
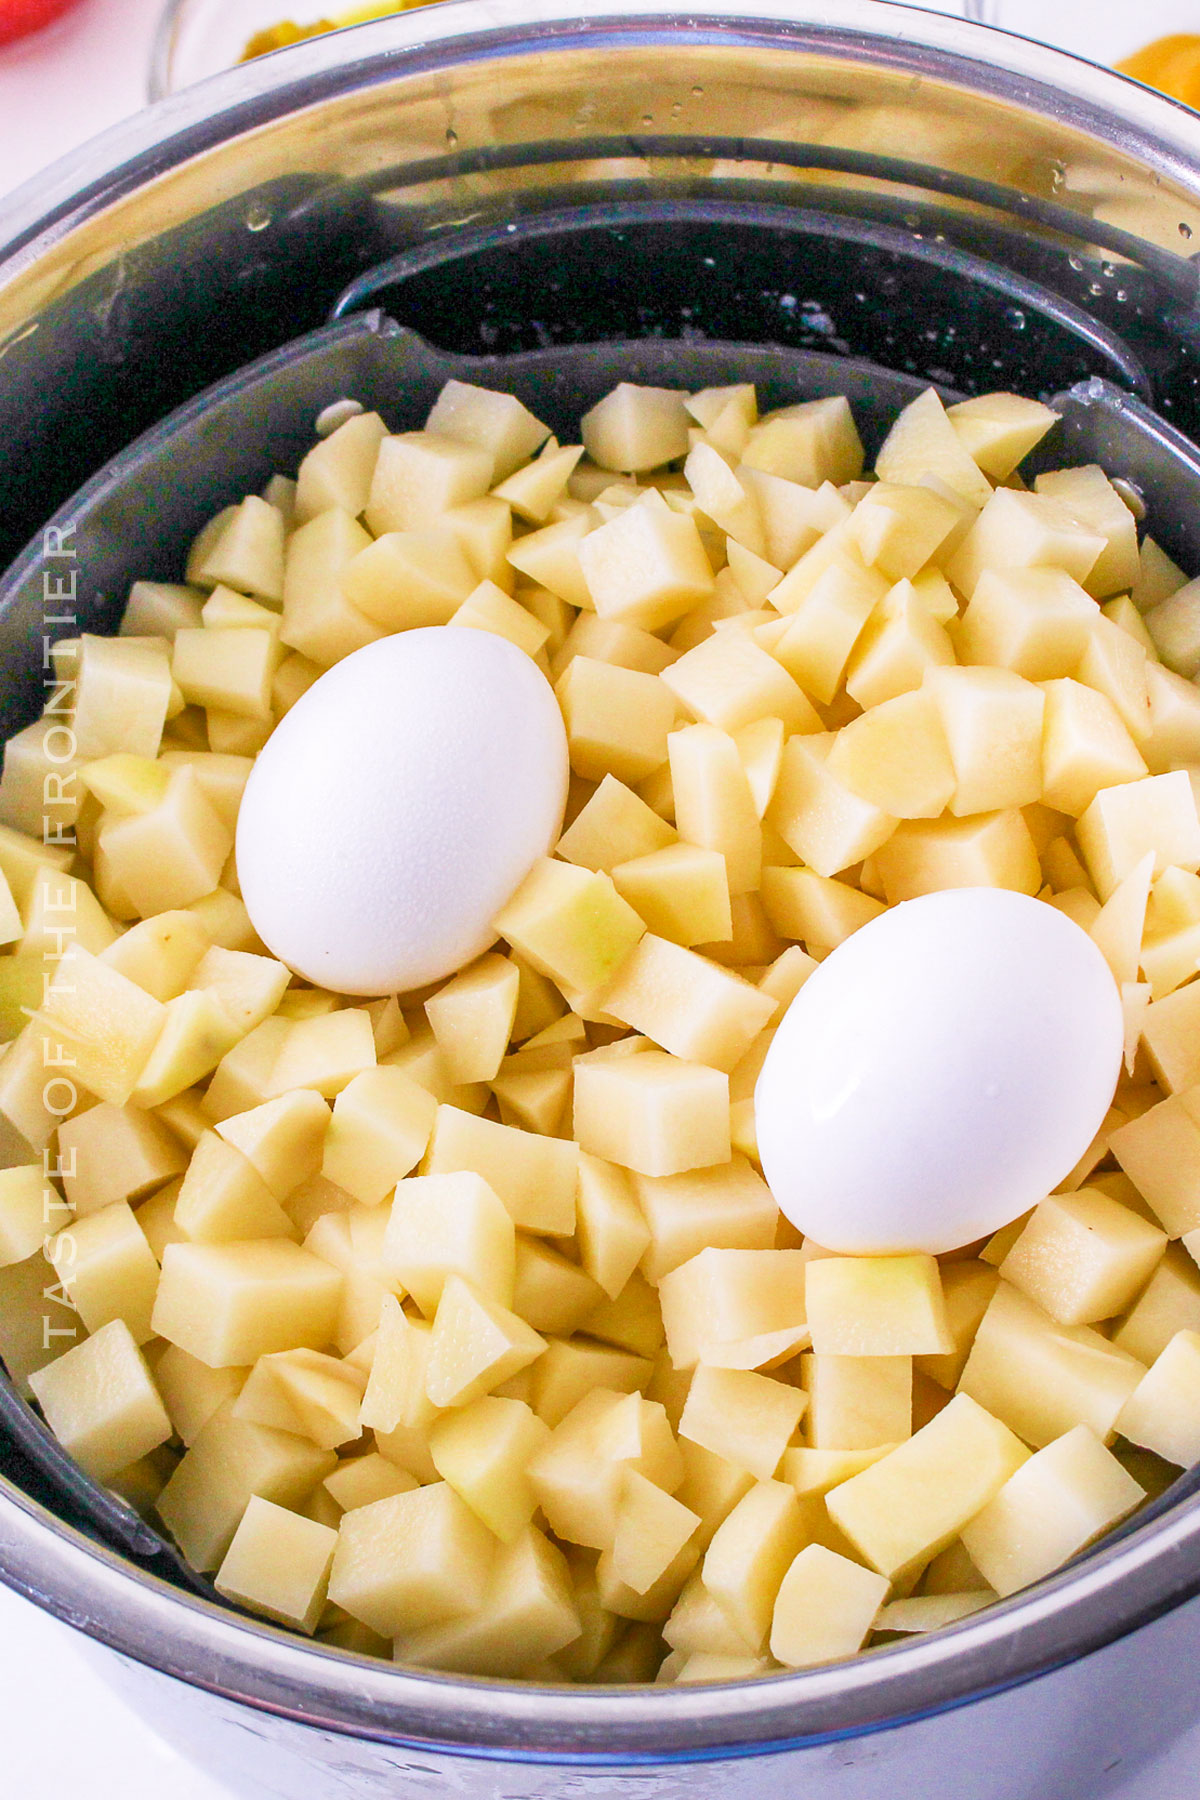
(398, 806)
(939, 1074)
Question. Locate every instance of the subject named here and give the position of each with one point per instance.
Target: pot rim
(1119, 1587)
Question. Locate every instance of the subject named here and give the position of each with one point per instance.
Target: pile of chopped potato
(461, 1325)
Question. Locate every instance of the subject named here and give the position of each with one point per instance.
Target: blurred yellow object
(278, 37)
(1170, 64)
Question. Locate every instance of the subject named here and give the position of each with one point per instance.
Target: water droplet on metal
(1185, 230)
(1076, 263)
(1015, 316)
(258, 217)
(451, 137)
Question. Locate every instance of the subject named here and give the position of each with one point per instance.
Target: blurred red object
(19, 17)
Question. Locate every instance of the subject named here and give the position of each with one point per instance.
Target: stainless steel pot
(223, 223)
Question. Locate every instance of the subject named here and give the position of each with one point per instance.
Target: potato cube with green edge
(1124, 823)
(229, 1304)
(28, 1212)
(876, 1306)
(278, 1565)
(915, 1501)
(411, 1560)
(825, 1608)
(747, 1418)
(825, 824)
(751, 1553)
(617, 719)
(223, 1198)
(282, 1140)
(324, 1053)
(654, 1113)
(636, 428)
(1084, 1257)
(106, 1022)
(1062, 1499)
(714, 804)
(1163, 1412)
(100, 1401)
(690, 1006)
(536, 1177)
(381, 1125)
(108, 1270)
(721, 1301)
(857, 1402)
(528, 1614)
(450, 1224)
(612, 1233)
(361, 1480)
(570, 924)
(728, 1206)
(396, 1394)
(477, 1344)
(191, 1391)
(1042, 1378)
(472, 1015)
(484, 1451)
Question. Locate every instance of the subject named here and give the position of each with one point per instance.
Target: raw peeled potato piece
(461, 1326)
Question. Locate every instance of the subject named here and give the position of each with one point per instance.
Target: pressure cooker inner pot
(815, 211)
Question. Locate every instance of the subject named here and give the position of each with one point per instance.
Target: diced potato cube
(108, 1023)
(635, 428)
(408, 579)
(1125, 823)
(1035, 622)
(477, 1344)
(876, 1306)
(692, 1007)
(915, 1501)
(241, 548)
(337, 470)
(811, 442)
(614, 827)
(316, 1396)
(1053, 1506)
(651, 1530)
(814, 1472)
(550, 559)
(533, 490)
(992, 720)
(902, 641)
(122, 695)
(318, 619)
(1163, 1411)
(396, 1396)
(382, 1122)
(617, 719)
(858, 1402)
(229, 1304)
(999, 430)
(484, 1451)
(654, 1113)
(681, 891)
(528, 1615)
(751, 1553)
(986, 850)
(29, 1209)
(827, 826)
(324, 1053)
(159, 608)
(112, 1153)
(101, 1402)
(192, 1392)
(1083, 1257)
(576, 1478)
(1115, 664)
(450, 1224)
(282, 1139)
(1091, 497)
(698, 1626)
(829, 598)
(223, 1197)
(899, 529)
(714, 805)
(1042, 1378)
(411, 1560)
(930, 1612)
(488, 608)
(896, 757)
(420, 474)
(571, 924)
(967, 1289)
(725, 1207)
(820, 912)
(646, 566)
(170, 855)
(278, 1565)
(923, 442)
(1024, 531)
(1171, 1035)
(159, 953)
(230, 1461)
(1169, 1303)
(364, 1479)
(230, 668)
(1160, 1152)
(825, 1608)
(536, 1177)
(1173, 734)
(488, 420)
(747, 1418)
(720, 1303)
(730, 681)
(553, 1294)
(108, 1270)
(1085, 747)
